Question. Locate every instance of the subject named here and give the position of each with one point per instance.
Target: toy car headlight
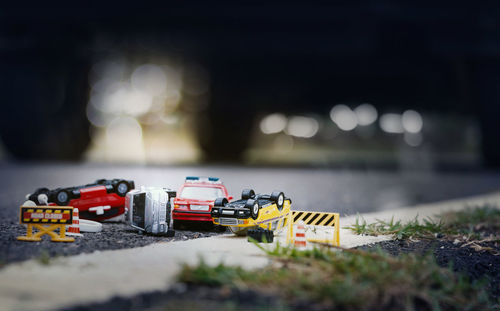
(215, 211)
(242, 213)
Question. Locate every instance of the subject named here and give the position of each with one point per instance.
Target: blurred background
(373, 84)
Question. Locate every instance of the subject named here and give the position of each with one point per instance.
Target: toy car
(149, 210)
(261, 210)
(104, 199)
(196, 197)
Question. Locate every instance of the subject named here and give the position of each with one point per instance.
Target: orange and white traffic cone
(300, 236)
(74, 228)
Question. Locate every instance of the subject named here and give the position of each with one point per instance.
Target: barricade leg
(289, 236)
(29, 235)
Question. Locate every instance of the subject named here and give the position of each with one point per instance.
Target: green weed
(349, 279)
(44, 257)
(464, 222)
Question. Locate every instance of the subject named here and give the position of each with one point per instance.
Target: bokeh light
(344, 117)
(300, 126)
(391, 123)
(412, 121)
(150, 79)
(366, 114)
(273, 123)
(124, 140)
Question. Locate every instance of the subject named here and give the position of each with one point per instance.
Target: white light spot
(98, 118)
(366, 114)
(412, 121)
(273, 123)
(391, 123)
(344, 117)
(124, 128)
(135, 103)
(150, 79)
(124, 139)
(302, 127)
(413, 139)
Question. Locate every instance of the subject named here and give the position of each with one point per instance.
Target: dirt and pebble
(189, 297)
(477, 263)
(116, 235)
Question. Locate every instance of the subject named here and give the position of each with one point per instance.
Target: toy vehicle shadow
(168, 234)
(188, 225)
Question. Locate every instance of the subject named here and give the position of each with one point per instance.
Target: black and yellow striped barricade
(330, 222)
(47, 219)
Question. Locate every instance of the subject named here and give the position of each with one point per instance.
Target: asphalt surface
(345, 191)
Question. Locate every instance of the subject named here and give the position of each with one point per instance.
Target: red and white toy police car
(102, 200)
(196, 197)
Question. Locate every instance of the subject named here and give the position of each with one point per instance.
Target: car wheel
(122, 188)
(34, 197)
(220, 202)
(260, 235)
(253, 205)
(278, 198)
(62, 198)
(247, 194)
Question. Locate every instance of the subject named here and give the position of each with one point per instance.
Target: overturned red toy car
(196, 197)
(104, 199)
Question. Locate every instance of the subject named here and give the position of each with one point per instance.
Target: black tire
(254, 207)
(62, 197)
(278, 197)
(260, 235)
(221, 202)
(122, 188)
(170, 233)
(247, 194)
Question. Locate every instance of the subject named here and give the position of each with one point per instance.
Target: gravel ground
(475, 264)
(113, 236)
(199, 298)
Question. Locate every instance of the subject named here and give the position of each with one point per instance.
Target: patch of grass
(410, 229)
(465, 222)
(473, 219)
(349, 280)
(44, 257)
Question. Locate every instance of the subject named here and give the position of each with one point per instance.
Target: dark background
(289, 56)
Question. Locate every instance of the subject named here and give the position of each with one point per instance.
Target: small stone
(457, 241)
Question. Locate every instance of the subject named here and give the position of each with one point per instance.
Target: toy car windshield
(201, 193)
